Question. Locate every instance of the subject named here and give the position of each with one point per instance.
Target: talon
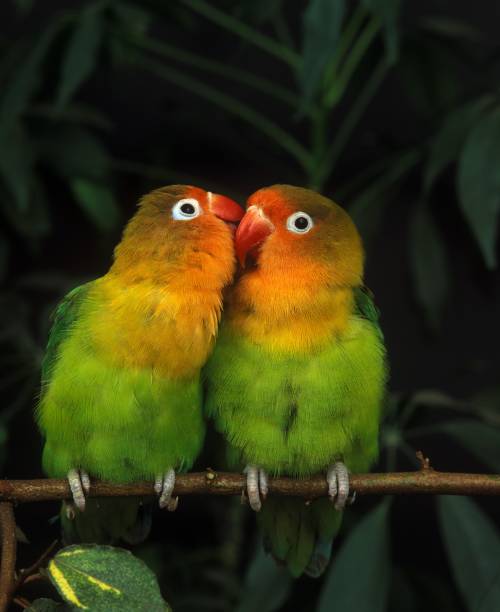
(338, 484)
(69, 509)
(263, 484)
(257, 486)
(85, 478)
(172, 504)
(79, 483)
(164, 486)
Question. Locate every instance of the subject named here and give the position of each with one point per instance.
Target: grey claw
(164, 486)
(257, 486)
(69, 509)
(263, 484)
(85, 478)
(252, 473)
(338, 484)
(172, 504)
(79, 482)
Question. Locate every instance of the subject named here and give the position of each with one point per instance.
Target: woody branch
(423, 481)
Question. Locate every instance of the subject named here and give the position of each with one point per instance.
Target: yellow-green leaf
(105, 579)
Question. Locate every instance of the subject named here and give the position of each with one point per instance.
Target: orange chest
(171, 333)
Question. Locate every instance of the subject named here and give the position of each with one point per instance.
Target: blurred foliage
(329, 64)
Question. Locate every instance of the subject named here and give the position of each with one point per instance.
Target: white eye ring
(186, 209)
(292, 226)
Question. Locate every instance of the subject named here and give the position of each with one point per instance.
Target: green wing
(365, 307)
(63, 318)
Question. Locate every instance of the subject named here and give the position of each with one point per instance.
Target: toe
(253, 487)
(76, 489)
(167, 489)
(331, 478)
(342, 484)
(263, 484)
(85, 479)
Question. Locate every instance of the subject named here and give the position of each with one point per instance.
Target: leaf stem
(364, 40)
(218, 68)
(244, 31)
(349, 123)
(230, 105)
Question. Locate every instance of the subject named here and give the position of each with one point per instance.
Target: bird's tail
(106, 520)
(299, 536)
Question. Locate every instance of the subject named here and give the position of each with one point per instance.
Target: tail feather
(106, 520)
(299, 535)
(320, 558)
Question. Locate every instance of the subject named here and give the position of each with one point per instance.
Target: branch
(425, 481)
(9, 545)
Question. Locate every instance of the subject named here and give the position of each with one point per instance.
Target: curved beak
(254, 228)
(225, 208)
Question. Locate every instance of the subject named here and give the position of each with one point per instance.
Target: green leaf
(74, 152)
(103, 578)
(259, 11)
(454, 29)
(473, 546)
(47, 605)
(322, 24)
(450, 138)
(23, 6)
(132, 18)
(98, 203)
(4, 256)
(429, 264)
(480, 440)
(16, 167)
(486, 403)
(81, 54)
(266, 585)
(388, 13)
(479, 183)
(366, 551)
(368, 207)
(25, 81)
(34, 221)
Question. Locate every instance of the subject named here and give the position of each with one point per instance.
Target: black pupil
(188, 209)
(301, 223)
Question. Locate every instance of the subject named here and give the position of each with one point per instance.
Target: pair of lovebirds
(293, 377)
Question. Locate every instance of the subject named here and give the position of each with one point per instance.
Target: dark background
(102, 101)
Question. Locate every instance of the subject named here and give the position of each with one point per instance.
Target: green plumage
(119, 424)
(295, 414)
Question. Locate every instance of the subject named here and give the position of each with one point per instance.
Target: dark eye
(186, 209)
(299, 223)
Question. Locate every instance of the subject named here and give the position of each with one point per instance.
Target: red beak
(225, 208)
(251, 233)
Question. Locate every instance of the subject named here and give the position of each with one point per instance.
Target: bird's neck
(166, 322)
(290, 313)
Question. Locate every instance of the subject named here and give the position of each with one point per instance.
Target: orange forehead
(197, 193)
(273, 203)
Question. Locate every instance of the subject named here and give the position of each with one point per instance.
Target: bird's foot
(338, 484)
(257, 486)
(164, 486)
(79, 483)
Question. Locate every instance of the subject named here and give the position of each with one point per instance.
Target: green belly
(118, 425)
(296, 414)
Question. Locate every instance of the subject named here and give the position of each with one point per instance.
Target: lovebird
(297, 379)
(121, 395)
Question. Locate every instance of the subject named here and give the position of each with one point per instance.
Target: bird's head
(297, 231)
(181, 227)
